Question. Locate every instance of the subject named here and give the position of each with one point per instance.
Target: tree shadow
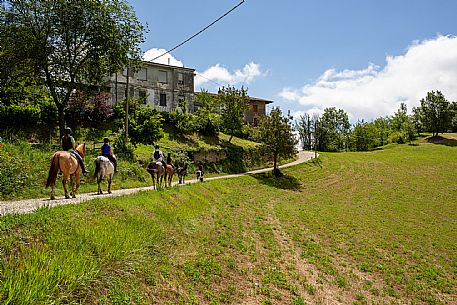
(211, 140)
(284, 182)
(176, 135)
(442, 141)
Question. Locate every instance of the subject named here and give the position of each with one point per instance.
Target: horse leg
(64, 183)
(109, 183)
(72, 182)
(78, 183)
(53, 186)
(99, 180)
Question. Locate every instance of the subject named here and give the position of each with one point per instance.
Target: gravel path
(30, 205)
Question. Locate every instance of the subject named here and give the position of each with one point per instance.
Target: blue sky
(363, 56)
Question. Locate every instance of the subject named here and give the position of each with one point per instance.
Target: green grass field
(348, 228)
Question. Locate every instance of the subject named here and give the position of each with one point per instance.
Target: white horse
(103, 168)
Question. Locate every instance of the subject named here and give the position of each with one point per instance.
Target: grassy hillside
(350, 228)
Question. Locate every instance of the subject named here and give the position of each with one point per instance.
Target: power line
(199, 32)
(201, 75)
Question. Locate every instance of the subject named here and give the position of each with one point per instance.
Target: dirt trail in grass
(30, 205)
(304, 275)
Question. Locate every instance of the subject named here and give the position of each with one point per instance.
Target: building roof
(150, 63)
(251, 98)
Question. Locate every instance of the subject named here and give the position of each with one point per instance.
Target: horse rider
(107, 151)
(68, 144)
(157, 156)
(170, 161)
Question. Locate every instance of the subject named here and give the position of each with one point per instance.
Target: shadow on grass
(210, 140)
(442, 141)
(284, 182)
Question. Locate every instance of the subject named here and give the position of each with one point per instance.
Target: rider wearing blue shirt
(107, 151)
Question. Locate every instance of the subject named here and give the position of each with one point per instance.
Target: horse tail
(53, 171)
(97, 167)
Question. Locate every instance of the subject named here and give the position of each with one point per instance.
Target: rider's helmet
(67, 130)
(106, 140)
(157, 146)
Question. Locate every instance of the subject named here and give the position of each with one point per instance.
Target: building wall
(162, 86)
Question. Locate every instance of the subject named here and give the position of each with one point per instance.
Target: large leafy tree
(305, 127)
(435, 113)
(207, 119)
(333, 129)
(145, 122)
(70, 45)
(276, 133)
(233, 102)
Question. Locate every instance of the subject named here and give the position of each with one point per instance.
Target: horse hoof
(109, 192)
(53, 198)
(67, 197)
(73, 196)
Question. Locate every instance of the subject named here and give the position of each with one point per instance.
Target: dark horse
(65, 162)
(157, 172)
(182, 173)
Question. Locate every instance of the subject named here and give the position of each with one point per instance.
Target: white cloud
(166, 59)
(213, 75)
(374, 91)
(222, 75)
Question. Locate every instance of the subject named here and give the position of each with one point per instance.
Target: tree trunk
(61, 117)
(275, 169)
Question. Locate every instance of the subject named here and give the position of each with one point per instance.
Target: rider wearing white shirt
(158, 156)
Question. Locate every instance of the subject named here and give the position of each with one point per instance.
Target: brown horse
(157, 172)
(170, 173)
(67, 164)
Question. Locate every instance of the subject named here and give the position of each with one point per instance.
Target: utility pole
(126, 124)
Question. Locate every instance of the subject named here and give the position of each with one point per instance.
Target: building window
(142, 74)
(163, 100)
(163, 77)
(180, 79)
(255, 108)
(142, 95)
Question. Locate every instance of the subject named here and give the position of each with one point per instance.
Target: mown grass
(353, 228)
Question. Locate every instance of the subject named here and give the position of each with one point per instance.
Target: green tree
(276, 133)
(436, 113)
(333, 129)
(305, 128)
(364, 136)
(233, 103)
(70, 45)
(453, 108)
(382, 126)
(145, 122)
(207, 119)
